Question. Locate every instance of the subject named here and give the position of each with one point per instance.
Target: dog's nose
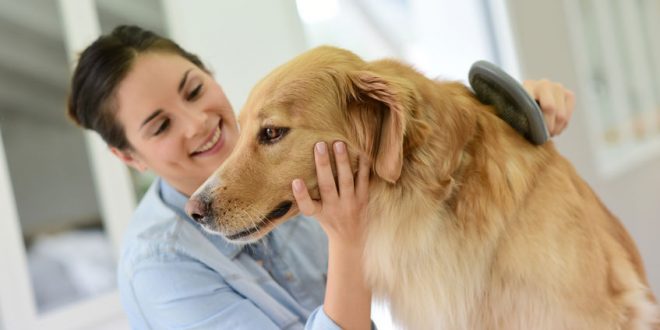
(197, 208)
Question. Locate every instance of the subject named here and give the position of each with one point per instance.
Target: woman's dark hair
(101, 67)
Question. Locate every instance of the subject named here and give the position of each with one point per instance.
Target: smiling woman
(177, 122)
(189, 130)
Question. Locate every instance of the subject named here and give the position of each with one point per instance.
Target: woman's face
(177, 119)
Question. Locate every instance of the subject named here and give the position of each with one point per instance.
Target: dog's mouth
(279, 211)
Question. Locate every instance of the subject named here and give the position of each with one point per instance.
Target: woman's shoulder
(151, 218)
(155, 231)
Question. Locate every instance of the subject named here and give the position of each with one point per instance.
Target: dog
(470, 226)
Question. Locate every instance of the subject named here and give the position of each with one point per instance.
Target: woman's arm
(342, 215)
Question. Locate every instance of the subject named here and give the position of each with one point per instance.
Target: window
(440, 38)
(617, 52)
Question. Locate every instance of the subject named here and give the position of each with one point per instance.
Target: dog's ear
(378, 108)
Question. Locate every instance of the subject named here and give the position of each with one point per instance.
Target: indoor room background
(64, 200)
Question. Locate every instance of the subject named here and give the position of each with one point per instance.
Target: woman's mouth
(212, 144)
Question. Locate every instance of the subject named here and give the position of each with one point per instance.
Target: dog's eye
(270, 135)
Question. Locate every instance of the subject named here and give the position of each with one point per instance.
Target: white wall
(241, 41)
(544, 43)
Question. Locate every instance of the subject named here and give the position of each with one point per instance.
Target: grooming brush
(512, 103)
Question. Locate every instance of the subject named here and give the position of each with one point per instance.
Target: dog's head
(326, 94)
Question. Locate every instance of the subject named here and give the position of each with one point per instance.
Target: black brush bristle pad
(513, 104)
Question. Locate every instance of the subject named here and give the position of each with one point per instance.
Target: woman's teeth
(211, 143)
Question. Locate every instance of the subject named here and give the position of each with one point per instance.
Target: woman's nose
(195, 120)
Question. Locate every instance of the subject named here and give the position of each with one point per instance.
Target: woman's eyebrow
(183, 80)
(151, 116)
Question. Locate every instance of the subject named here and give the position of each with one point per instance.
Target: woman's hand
(342, 214)
(557, 103)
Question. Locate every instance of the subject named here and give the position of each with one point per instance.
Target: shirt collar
(177, 202)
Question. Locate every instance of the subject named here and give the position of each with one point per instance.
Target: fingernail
(297, 185)
(321, 148)
(340, 147)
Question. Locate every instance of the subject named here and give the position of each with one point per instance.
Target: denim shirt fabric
(174, 275)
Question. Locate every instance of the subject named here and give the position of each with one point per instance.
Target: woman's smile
(212, 145)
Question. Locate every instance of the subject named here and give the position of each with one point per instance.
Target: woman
(158, 108)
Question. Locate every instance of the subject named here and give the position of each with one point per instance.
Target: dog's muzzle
(198, 207)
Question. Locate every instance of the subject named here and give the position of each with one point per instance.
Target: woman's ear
(129, 159)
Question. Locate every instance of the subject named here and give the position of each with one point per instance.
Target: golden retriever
(471, 226)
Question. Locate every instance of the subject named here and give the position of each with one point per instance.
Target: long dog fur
(471, 227)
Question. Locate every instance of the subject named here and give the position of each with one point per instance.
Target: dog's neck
(455, 185)
(459, 155)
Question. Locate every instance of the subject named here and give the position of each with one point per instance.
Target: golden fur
(471, 226)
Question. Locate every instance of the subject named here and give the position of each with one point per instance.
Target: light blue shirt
(173, 275)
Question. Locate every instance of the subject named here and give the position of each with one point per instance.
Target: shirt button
(289, 277)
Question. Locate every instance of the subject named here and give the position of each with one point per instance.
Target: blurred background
(64, 201)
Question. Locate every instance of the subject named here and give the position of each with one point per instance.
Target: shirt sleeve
(189, 295)
(318, 320)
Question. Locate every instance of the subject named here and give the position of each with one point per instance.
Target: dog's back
(482, 230)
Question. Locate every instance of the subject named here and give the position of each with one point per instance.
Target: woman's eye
(194, 93)
(270, 135)
(163, 126)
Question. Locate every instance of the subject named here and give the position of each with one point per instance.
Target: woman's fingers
(560, 109)
(569, 99)
(344, 172)
(351, 188)
(548, 103)
(557, 103)
(305, 203)
(324, 176)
